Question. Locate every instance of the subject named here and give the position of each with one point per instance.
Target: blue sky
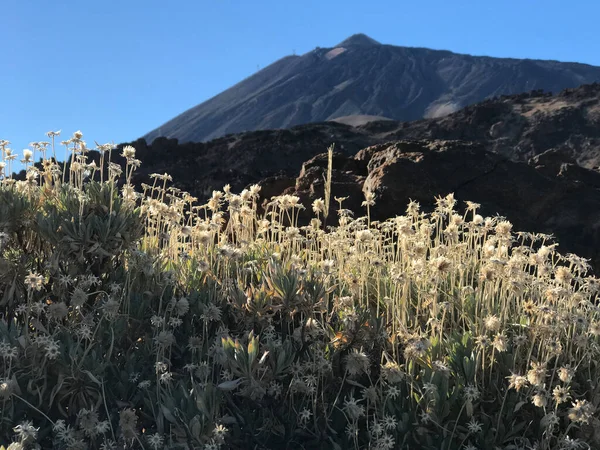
(118, 69)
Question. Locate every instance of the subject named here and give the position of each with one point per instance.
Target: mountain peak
(358, 39)
(370, 79)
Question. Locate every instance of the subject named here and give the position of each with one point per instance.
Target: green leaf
(56, 389)
(518, 406)
(92, 377)
(196, 427)
(168, 415)
(355, 383)
(38, 325)
(230, 385)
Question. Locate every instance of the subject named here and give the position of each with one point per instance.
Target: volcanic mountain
(361, 77)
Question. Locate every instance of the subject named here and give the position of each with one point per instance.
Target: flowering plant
(144, 320)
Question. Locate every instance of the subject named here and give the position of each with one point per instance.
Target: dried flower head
(26, 432)
(128, 152)
(357, 362)
(537, 374)
(34, 281)
(581, 412)
(492, 323)
(516, 381)
(566, 373)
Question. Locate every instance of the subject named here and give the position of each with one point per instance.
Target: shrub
(145, 320)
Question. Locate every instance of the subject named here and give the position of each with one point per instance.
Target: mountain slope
(360, 76)
(521, 127)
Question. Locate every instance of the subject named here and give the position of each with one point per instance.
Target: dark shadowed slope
(360, 76)
(521, 127)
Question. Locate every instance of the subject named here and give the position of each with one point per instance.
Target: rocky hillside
(550, 194)
(360, 76)
(533, 127)
(519, 127)
(528, 157)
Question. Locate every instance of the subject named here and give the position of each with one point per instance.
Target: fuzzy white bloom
(26, 431)
(353, 409)
(492, 323)
(540, 399)
(255, 190)
(318, 206)
(357, 362)
(128, 152)
(516, 381)
(155, 441)
(364, 235)
(27, 155)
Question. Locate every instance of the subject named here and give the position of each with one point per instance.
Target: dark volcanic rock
(532, 199)
(360, 76)
(521, 126)
(245, 158)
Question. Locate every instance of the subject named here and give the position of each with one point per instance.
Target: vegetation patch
(144, 319)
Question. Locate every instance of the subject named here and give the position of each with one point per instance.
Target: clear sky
(118, 69)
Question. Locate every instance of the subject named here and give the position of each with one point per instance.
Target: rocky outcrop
(533, 127)
(519, 127)
(242, 159)
(562, 201)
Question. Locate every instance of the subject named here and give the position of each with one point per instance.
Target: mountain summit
(358, 39)
(361, 77)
